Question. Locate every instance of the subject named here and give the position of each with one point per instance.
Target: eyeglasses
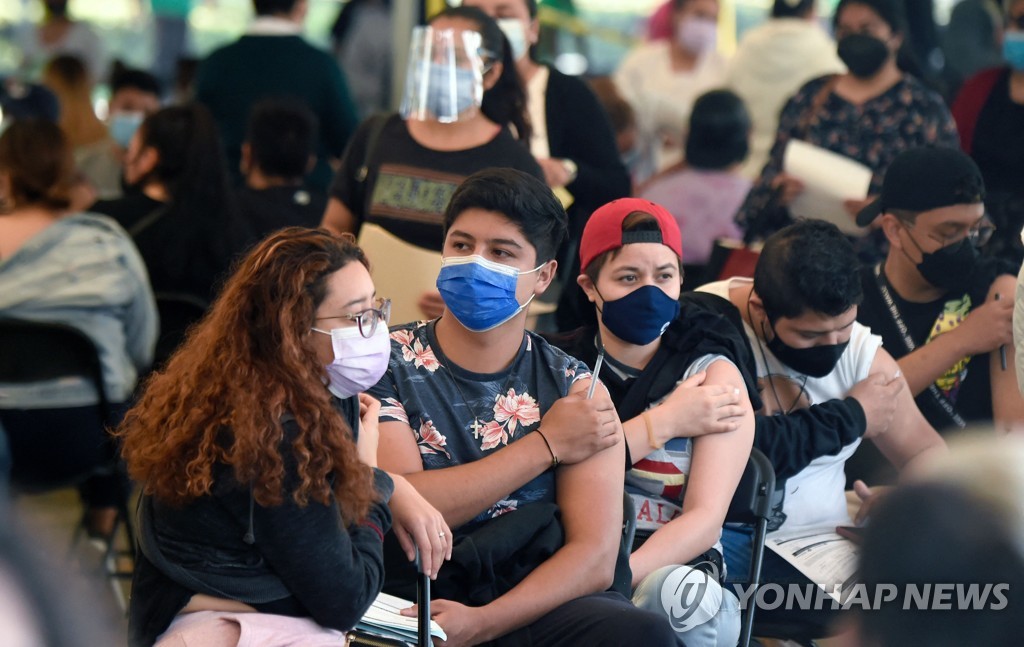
(979, 234)
(368, 319)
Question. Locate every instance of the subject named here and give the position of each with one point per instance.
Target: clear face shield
(444, 79)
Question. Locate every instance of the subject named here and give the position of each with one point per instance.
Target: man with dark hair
(277, 154)
(799, 315)
(495, 428)
(134, 95)
(943, 312)
(273, 60)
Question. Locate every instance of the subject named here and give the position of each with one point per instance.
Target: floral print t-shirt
(459, 416)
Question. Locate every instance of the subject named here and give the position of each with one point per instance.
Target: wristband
(650, 431)
(554, 459)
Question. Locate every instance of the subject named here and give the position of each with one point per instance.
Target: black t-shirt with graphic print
(408, 186)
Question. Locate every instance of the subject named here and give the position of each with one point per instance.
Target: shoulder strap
(148, 220)
(816, 104)
(374, 125)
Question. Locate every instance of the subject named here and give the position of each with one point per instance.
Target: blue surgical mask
(123, 125)
(480, 293)
(444, 100)
(1013, 49)
(641, 316)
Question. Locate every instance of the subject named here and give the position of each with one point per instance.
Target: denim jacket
(83, 271)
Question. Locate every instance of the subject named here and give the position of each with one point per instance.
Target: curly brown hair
(222, 396)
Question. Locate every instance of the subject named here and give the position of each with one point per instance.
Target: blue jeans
(715, 614)
(736, 551)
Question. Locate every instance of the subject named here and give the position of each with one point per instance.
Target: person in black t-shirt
(399, 172)
(943, 312)
(279, 151)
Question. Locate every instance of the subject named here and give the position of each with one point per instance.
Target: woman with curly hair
(263, 511)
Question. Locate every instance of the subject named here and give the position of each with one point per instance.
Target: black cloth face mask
(816, 361)
(863, 55)
(948, 268)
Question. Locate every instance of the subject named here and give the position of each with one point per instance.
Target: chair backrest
(35, 351)
(730, 258)
(177, 312)
(753, 497)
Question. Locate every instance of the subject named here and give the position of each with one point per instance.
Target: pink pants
(232, 629)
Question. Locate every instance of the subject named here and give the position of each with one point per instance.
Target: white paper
(383, 617)
(828, 560)
(829, 179)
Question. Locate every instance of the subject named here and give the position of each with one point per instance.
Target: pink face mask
(359, 362)
(699, 35)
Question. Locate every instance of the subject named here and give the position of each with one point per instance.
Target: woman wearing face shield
(673, 374)
(662, 79)
(462, 101)
(870, 114)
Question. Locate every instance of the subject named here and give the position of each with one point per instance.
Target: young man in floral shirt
(495, 428)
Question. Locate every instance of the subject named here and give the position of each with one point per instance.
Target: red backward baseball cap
(603, 232)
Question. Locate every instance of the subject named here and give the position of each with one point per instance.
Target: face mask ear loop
(764, 358)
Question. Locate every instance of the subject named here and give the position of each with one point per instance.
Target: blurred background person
(361, 40)
(58, 34)
(661, 80)
(95, 151)
(989, 113)
(623, 120)
(972, 41)
(272, 59)
(278, 152)
(134, 95)
(772, 62)
(80, 270)
(182, 215)
(870, 114)
(21, 100)
(705, 192)
(940, 535)
(171, 23)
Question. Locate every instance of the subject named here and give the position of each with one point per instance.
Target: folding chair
(177, 312)
(48, 352)
(751, 505)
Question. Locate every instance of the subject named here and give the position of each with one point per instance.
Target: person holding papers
(799, 315)
(869, 114)
(263, 512)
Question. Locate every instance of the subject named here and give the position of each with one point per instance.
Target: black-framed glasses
(368, 319)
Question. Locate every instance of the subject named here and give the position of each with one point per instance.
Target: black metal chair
(177, 311)
(751, 505)
(49, 352)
